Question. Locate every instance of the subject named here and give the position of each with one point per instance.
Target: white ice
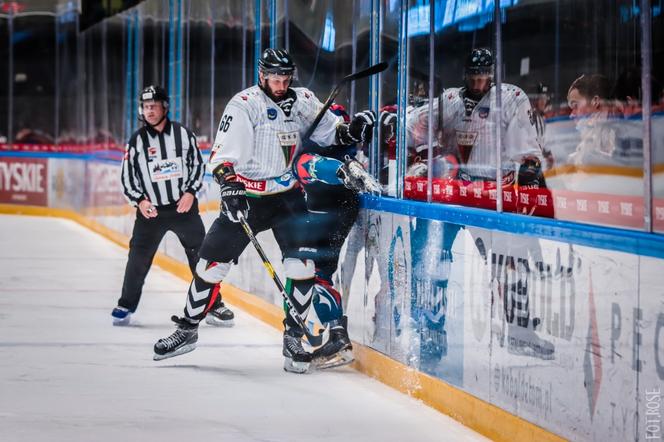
(66, 374)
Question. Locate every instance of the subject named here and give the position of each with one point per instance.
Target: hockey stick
(314, 340)
(371, 70)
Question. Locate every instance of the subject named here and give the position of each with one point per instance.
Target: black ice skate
(220, 316)
(338, 350)
(355, 178)
(297, 359)
(183, 340)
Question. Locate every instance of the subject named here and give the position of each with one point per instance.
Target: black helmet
(155, 93)
(542, 89)
(276, 61)
(479, 61)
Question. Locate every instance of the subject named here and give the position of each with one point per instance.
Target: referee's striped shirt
(162, 166)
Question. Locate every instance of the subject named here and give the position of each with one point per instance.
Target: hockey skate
(297, 359)
(338, 350)
(355, 178)
(183, 340)
(121, 316)
(220, 316)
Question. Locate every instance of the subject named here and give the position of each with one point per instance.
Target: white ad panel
(67, 184)
(559, 326)
(650, 408)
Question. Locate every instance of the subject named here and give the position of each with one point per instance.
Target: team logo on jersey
(271, 113)
(288, 142)
(483, 112)
(285, 179)
(152, 153)
(166, 170)
(466, 138)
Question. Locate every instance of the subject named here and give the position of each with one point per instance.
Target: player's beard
(270, 93)
(477, 94)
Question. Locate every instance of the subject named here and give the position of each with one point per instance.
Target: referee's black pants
(145, 239)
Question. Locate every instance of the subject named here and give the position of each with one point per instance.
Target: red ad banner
(24, 181)
(587, 207)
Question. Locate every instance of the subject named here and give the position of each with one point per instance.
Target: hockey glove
(360, 129)
(233, 192)
(530, 173)
(353, 175)
(234, 200)
(388, 123)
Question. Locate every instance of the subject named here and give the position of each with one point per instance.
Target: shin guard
(299, 288)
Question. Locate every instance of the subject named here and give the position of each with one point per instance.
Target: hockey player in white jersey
(251, 159)
(469, 120)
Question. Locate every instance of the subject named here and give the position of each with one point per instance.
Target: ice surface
(66, 374)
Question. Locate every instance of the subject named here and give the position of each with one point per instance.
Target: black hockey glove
(530, 173)
(234, 200)
(233, 192)
(388, 124)
(360, 129)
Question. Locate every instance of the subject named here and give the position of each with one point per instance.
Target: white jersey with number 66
(259, 136)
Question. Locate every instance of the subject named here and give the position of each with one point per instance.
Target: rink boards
(561, 326)
(452, 300)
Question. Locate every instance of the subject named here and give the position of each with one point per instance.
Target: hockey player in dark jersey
(331, 178)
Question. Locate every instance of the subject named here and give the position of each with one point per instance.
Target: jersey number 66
(225, 123)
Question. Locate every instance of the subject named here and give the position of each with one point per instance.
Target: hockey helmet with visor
(277, 62)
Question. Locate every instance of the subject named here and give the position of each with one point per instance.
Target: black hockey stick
(371, 70)
(314, 340)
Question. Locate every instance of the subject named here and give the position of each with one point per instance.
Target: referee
(162, 171)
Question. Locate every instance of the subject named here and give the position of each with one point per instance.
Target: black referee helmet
(155, 93)
(152, 93)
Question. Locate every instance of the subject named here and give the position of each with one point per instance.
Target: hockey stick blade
(314, 340)
(371, 70)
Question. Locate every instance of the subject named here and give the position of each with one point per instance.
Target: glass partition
(67, 80)
(572, 89)
(198, 63)
(316, 37)
(4, 78)
(657, 113)
(155, 37)
(459, 130)
(571, 63)
(33, 97)
(560, 148)
(234, 62)
(328, 43)
(388, 48)
(116, 52)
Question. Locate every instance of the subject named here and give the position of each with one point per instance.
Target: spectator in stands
(32, 136)
(588, 98)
